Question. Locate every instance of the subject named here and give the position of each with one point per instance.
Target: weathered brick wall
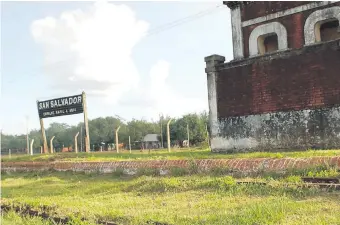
(293, 23)
(289, 99)
(295, 80)
(263, 8)
(285, 100)
(164, 166)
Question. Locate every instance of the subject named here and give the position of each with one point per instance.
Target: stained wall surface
(285, 100)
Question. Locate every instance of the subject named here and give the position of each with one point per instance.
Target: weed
(178, 171)
(118, 172)
(195, 153)
(148, 172)
(193, 167)
(219, 171)
(292, 179)
(174, 200)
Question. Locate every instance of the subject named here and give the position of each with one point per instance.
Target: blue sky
(138, 76)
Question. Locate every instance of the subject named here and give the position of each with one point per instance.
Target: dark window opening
(271, 44)
(330, 30)
(268, 43)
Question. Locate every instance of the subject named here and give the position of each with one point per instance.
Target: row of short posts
(117, 141)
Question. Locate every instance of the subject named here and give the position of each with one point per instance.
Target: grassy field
(164, 155)
(173, 200)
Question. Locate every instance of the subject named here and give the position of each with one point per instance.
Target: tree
(103, 130)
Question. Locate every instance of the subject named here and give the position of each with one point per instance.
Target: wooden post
(32, 141)
(208, 138)
(117, 147)
(130, 144)
(188, 136)
(76, 143)
(43, 135)
(27, 139)
(168, 134)
(87, 134)
(51, 144)
(161, 120)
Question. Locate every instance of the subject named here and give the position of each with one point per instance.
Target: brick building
(282, 89)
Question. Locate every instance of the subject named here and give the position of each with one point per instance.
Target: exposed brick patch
(293, 23)
(294, 80)
(242, 165)
(263, 8)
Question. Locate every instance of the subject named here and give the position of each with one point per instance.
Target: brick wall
(164, 166)
(263, 8)
(293, 23)
(295, 80)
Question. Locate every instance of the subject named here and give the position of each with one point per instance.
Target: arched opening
(322, 25)
(267, 38)
(268, 43)
(330, 30)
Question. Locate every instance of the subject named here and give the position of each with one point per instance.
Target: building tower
(282, 89)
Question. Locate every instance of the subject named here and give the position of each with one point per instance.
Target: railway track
(318, 182)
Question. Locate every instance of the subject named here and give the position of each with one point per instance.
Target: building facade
(151, 141)
(282, 89)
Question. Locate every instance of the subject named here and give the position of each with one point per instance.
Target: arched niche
(268, 33)
(321, 20)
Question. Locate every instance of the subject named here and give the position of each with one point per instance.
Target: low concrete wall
(164, 166)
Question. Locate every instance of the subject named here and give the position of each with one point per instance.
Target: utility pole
(168, 133)
(117, 147)
(188, 136)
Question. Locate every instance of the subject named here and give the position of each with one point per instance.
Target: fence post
(76, 143)
(168, 134)
(51, 144)
(32, 141)
(117, 144)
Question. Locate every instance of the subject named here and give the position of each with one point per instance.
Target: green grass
(175, 200)
(165, 155)
(13, 218)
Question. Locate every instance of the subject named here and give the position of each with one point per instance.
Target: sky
(132, 59)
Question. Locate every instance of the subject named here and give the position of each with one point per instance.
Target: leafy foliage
(103, 130)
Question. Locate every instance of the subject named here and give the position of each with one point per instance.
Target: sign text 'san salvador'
(61, 106)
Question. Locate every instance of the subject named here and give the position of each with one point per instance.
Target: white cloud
(158, 97)
(92, 49)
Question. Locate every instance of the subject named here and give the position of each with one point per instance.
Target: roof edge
(234, 4)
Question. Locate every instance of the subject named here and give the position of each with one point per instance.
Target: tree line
(102, 130)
